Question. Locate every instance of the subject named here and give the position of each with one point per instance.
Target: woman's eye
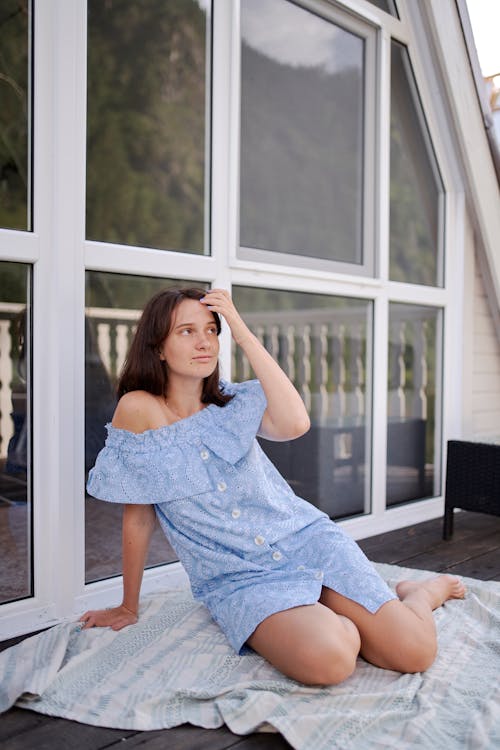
(185, 331)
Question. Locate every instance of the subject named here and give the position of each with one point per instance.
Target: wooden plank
(184, 737)
(15, 721)
(402, 544)
(14, 641)
(53, 733)
(389, 548)
(486, 566)
(263, 741)
(453, 553)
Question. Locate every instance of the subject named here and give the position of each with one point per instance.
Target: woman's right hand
(115, 618)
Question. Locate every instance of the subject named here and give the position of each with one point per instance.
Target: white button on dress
(259, 540)
(277, 555)
(301, 567)
(204, 455)
(236, 513)
(319, 575)
(221, 486)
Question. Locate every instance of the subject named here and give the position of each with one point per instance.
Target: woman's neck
(184, 399)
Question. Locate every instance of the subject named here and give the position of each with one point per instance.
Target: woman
(275, 572)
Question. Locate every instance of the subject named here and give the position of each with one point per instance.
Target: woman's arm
(137, 527)
(139, 522)
(286, 416)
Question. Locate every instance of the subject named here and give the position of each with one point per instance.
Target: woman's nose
(202, 341)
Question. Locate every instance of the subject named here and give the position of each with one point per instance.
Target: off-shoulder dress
(249, 545)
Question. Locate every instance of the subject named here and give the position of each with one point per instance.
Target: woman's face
(192, 347)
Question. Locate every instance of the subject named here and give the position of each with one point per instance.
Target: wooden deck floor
(474, 551)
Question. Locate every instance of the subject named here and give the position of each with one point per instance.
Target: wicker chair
(472, 480)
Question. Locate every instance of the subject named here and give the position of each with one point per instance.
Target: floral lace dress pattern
(249, 545)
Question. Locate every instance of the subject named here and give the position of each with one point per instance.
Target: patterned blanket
(175, 666)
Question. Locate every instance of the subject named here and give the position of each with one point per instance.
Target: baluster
(338, 371)
(289, 352)
(420, 370)
(6, 373)
(242, 364)
(104, 345)
(234, 362)
(397, 371)
(356, 397)
(304, 365)
(121, 345)
(273, 342)
(320, 345)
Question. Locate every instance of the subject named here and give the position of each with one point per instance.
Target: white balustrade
(6, 374)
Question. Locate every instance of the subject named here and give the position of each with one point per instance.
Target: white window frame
(60, 255)
(242, 254)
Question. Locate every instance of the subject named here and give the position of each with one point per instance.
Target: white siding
(485, 396)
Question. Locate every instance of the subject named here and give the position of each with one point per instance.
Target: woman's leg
(401, 635)
(310, 644)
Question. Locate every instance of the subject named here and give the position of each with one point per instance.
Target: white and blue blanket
(175, 666)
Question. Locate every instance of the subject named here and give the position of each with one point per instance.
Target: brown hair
(143, 369)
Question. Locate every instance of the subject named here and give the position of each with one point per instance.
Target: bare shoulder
(135, 411)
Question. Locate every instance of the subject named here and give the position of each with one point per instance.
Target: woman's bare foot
(437, 590)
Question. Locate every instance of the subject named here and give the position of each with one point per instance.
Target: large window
(15, 432)
(113, 305)
(417, 195)
(148, 123)
(15, 114)
(293, 151)
(414, 403)
(323, 343)
(304, 118)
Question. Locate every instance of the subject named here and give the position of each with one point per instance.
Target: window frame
(60, 255)
(247, 257)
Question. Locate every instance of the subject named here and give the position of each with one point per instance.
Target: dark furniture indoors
(472, 480)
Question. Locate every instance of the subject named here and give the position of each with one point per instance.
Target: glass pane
(301, 133)
(147, 126)
(323, 343)
(15, 433)
(388, 5)
(114, 303)
(416, 201)
(15, 115)
(414, 424)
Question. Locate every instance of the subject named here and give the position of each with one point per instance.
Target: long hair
(143, 369)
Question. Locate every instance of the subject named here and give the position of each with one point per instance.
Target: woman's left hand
(285, 417)
(219, 300)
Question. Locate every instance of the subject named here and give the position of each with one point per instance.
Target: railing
(10, 313)
(325, 352)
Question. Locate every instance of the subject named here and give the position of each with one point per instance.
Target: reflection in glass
(414, 424)
(15, 433)
(416, 200)
(388, 5)
(323, 344)
(15, 97)
(147, 125)
(113, 305)
(301, 133)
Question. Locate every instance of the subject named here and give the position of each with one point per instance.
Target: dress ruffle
(167, 463)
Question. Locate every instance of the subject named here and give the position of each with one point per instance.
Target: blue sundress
(249, 545)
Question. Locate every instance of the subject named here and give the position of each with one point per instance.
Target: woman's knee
(416, 655)
(328, 664)
(330, 671)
